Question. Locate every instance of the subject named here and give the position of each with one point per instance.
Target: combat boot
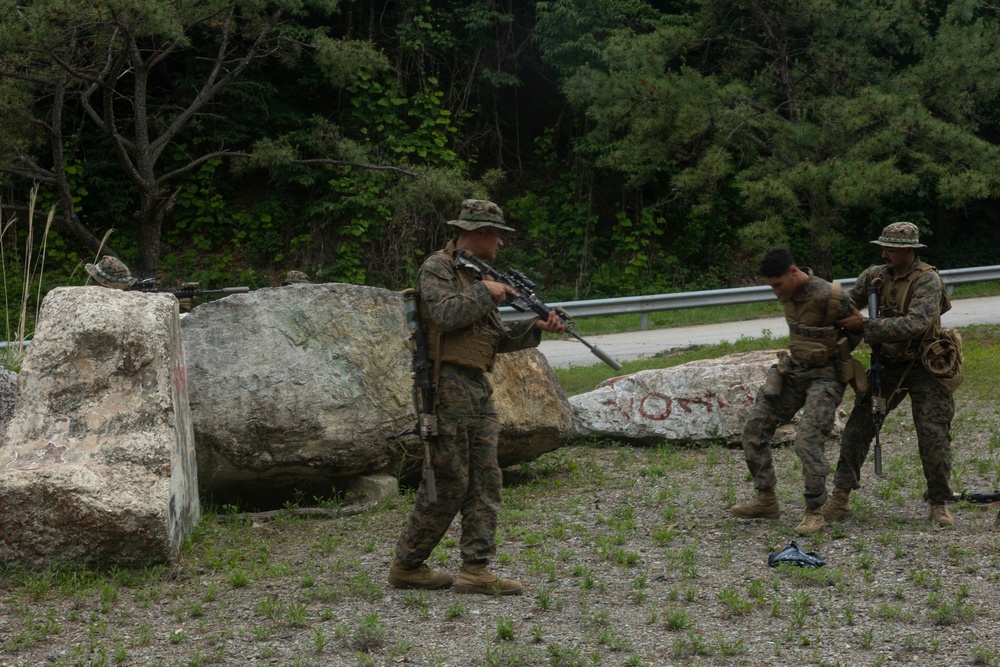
(421, 576)
(940, 515)
(812, 523)
(476, 578)
(839, 506)
(764, 506)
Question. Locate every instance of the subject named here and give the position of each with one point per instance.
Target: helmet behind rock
(293, 277)
(900, 235)
(478, 213)
(110, 272)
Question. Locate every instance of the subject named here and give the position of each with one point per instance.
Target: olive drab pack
(812, 338)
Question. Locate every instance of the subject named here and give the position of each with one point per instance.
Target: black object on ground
(794, 555)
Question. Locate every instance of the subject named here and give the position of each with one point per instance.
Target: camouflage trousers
(932, 412)
(816, 391)
(467, 476)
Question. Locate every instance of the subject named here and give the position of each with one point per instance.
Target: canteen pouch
(773, 383)
(850, 370)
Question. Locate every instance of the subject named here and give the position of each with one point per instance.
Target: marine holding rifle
(458, 311)
(907, 332)
(811, 376)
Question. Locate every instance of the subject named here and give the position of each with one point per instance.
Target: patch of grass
(505, 629)
(369, 635)
(676, 618)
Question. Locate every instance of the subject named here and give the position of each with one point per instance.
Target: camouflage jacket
(901, 332)
(452, 309)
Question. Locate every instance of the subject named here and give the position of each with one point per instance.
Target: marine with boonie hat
(111, 272)
(478, 213)
(911, 300)
(459, 317)
(900, 235)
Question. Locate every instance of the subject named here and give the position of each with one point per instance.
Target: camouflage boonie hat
(110, 272)
(900, 235)
(478, 213)
(293, 277)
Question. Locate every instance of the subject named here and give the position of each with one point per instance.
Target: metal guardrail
(723, 297)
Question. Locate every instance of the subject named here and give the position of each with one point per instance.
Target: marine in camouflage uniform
(912, 299)
(809, 379)
(458, 310)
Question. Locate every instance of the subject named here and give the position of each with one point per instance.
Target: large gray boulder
(698, 402)
(98, 464)
(535, 416)
(301, 386)
(297, 387)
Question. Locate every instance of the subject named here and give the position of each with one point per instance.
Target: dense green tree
(143, 74)
(234, 139)
(816, 113)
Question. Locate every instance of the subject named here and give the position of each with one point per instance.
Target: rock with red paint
(700, 402)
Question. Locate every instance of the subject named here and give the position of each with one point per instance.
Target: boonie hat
(293, 277)
(900, 235)
(110, 272)
(478, 213)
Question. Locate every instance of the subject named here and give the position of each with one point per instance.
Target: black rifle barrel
(981, 498)
(878, 403)
(190, 293)
(423, 391)
(526, 300)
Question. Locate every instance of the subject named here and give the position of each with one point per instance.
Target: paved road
(648, 343)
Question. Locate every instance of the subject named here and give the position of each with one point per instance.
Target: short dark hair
(776, 263)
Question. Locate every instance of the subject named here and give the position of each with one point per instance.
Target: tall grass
(32, 267)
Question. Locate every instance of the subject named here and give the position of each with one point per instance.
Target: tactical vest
(895, 296)
(812, 338)
(474, 346)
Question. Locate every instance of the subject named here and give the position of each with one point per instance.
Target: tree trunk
(151, 214)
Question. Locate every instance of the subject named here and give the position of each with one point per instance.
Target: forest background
(637, 147)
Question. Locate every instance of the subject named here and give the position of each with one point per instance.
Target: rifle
(423, 392)
(875, 370)
(526, 300)
(977, 498)
(149, 285)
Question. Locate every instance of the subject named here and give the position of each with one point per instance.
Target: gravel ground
(628, 555)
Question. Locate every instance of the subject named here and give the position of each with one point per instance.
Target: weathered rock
(372, 488)
(698, 402)
(300, 387)
(99, 464)
(297, 387)
(8, 394)
(535, 416)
